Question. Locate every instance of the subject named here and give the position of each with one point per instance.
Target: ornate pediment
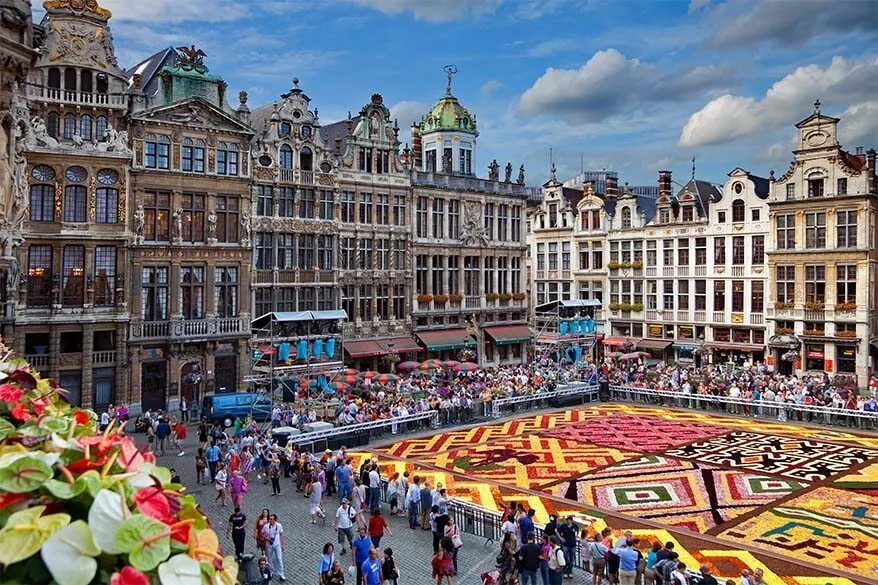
(194, 113)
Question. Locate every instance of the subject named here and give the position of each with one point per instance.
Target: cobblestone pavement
(412, 548)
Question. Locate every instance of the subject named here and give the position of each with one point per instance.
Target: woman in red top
(377, 527)
(179, 437)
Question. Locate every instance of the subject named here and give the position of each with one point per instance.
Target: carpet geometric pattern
(639, 433)
(529, 462)
(827, 526)
(676, 492)
(795, 458)
(864, 481)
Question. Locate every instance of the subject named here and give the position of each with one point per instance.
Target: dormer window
(626, 217)
(738, 211)
(286, 128)
(665, 215)
(306, 131)
(688, 213)
(815, 187)
(553, 215)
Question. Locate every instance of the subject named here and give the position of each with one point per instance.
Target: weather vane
(449, 70)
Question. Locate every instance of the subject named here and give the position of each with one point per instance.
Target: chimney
(664, 183)
(417, 148)
(612, 187)
(871, 179)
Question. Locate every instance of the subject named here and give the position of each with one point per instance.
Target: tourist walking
(557, 562)
(237, 531)
(221, 483)
(179, 437)
(529, 560)
(567, 533)
(377, 527)
(315, 502)
(426, 505)
(275, 542)
(388, 568)
(237, 488)
(213, 455)
(200, 466)
(371, 569)
(413, 500)
(344, 524)
(257, 533)
(361, 547)
(162, 432)
(327, 560)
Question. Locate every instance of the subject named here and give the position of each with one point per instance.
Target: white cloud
(175, 10)
(843, 83)
(609, 84)
(743, 22)
(407, 112)
(859, 125)
(553, 46)
(432, 10)
(491, 86)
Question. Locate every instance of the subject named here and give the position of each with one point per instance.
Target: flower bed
(78, 507)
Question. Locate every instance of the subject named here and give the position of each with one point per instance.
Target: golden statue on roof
(78, 7)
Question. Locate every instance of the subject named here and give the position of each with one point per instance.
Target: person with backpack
(557, 561)
(598, 559)
(344, 524)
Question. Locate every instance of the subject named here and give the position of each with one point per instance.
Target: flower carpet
(774, 494)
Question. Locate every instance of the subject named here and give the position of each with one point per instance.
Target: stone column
(122, 369)
(87, 366)
(54, 352)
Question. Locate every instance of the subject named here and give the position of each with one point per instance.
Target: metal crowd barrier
(587, 392)
(778, 410)
(337, 433)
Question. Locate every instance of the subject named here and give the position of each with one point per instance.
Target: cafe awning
(745, 347)
(446, 339)
(616, 341)
(657, 344)
(362, 348)
(509, 334)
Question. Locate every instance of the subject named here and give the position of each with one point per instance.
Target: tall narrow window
(192, 292)
(399, 210)
(226, 282)
(306, 159)
(737, 296)
(325, 248)
(758, 246)
(42, 203)
(846, 228)
(306, 203)
(348, 254)
(39, 276)
(489, 221)
(53, 124)
(365, 208)
(73, 276)
(75, 202)
(154, 293)
(327, 204)
(348, 206)
(264, 200)
(398, 255)
(846, 283)
(193, 155)
(516, 223)
(286, 251)
(815, 283)
(193, 218)
(502, 223)
(757, 296)
(739, 211)
(107, 205)
(815, 230)
(227, 219)
(719, 295)
(286, 201)
(786, 283)
(306, 252)
(365, 250)
(264, 245)
(69, 126)
(226, 158)
(786, 231)
(286, 157)
(101, 128)
(737, 250)
(438, 218)
(85, 128)
(156, 208)
(105, 276)
(421, 218)
(719, 251)
(382, 209)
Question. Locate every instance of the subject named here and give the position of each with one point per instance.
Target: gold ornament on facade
(78, 6)
(138, 153)
(93, 199)
(59, 197)
(122, 210)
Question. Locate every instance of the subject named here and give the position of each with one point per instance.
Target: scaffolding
(566, 325)
(289, 348)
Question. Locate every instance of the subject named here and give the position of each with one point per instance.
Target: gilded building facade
(823, 262)
(191, 236)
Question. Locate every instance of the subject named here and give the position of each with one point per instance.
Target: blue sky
(634, 86)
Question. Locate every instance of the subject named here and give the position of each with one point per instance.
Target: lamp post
(474, 329)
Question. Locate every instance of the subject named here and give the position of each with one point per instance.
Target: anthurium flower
(10, 393)
(128, 576)
(81, 417)
(19, 412)
(131, 457)
(152, 502)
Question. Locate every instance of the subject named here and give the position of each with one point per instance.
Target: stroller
(490, 578)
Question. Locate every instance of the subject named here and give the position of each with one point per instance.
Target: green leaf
(6, 428)
(106, 514)
(91, 482)
(147, 542)
(69, 555)
(180, 570)
(24, 475)
(63, 490)
(54, 424)
(228, 575)
(26, 531)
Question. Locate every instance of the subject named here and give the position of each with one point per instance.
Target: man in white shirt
(275, 541)
(344, 523)
(374, 488)
(678, 576)
(413, 500)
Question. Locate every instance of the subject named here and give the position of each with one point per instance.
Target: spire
(693, 168)
(817, 105)
(450, 70)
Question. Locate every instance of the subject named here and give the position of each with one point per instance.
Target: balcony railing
(472, 302)
(83, 98)
(306, 177)
(287, 176)
(757, 319)
(682, 271)
(40, 361)
(103, 357)
(188, 329)
(737, 271)
(652, 315)
(701, 271)
(811, 315)
(667, 271)
(700, 316)
(682, 315)
(651, 271)
(719, 316)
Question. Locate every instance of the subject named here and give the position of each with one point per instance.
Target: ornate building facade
(823, 262)
(192, 236)
(468, 243)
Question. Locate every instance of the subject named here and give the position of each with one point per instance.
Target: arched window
(54, 81)
(738, 211)
(286, 157)
(626, 217)
(306, 159)
(85, 82)
(102, 83)
(85, 127)
(70, 79)
(53, 124)
(101, 127)
(69, 125)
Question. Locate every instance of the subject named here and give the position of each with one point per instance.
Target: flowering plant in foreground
(80, 508)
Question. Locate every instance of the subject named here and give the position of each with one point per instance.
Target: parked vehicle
(226, 408)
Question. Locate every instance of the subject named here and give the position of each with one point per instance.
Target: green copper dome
(448, 114)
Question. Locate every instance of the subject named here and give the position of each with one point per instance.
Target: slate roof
(150, 67)
(337, 130)
(705, 193)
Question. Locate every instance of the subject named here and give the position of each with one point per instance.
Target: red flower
(131, 457)
(10, 393)
(7, 500)
(152, 502)
(82, 465)
(19, 412)
(101, 445)
(129, 576)
(81, 417)
(39, 406)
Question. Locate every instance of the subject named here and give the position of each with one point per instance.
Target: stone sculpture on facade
(41, 134)
(473, 229)
(139, 223)
(177, 232)
(211, 225)
(508, 177)
(245, 228)
(520, 180)
(494, 171)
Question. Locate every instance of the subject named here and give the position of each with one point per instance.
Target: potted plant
(813, 332)
(637, 307)
(846, 306)
(784, 330)
(615, 306)
(491, 297)
(625, 265)
(519, 296)
(505, 296)
(455, 299)
(815, 305)
(783, 305)
(637, 265)
(613, 265)
(424, 298)
(440, 299)
(82, 506)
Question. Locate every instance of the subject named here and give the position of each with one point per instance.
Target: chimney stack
(664, 183)
(612, 187)
(871, 179)
(417, 148)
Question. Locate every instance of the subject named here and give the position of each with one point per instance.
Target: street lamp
(474, 329)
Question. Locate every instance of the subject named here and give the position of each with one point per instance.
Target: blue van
(225, 408)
